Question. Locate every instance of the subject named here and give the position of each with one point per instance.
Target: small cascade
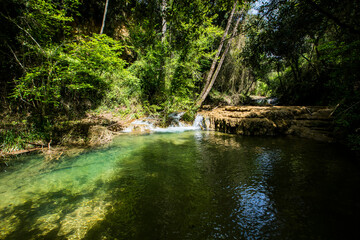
(147, 125)
(175, 119)
(259, 100)
(272, 101)
(199, 122)
(144, 125)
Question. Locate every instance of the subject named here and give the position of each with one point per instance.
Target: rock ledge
(313, 122)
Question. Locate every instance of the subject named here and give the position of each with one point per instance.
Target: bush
(74, 77)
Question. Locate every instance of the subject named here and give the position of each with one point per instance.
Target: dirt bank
(69, 137)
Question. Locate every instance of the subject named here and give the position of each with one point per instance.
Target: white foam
(176, 126)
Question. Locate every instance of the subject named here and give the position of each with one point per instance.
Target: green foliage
(236, 78)
(123, 90)
(189, 116)
(169, 78)
(29, 27)
(195, 58)
(343, 59)
(55, 73)
(347, 121)
(49, 17)
(75, 75)
(149, 69)
(262, 89)
(41, 22)
(317, 63)
(307, 57)
(13, 140)
(10, 141)
(290, 50)
(171, 72)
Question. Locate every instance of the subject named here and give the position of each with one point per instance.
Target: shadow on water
(158, 196)
(232, 188)
(196, 185)
(314, 191)
(28, 214)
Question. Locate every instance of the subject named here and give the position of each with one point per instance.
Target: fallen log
(36, 144)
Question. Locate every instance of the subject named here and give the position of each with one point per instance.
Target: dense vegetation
(308, 52)
(155, 56)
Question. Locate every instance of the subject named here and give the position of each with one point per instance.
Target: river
(189, 185)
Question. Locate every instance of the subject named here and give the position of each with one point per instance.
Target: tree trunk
(104, 17)
(251, 84)
(294, 73)
(206, 90)
(213, 65)
(164, 24)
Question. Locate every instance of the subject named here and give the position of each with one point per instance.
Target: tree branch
(17, 60)
(30, 37)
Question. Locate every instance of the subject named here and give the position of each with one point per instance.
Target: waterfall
(144, 125)
(176, 119)
(147, 125)
(199, 122)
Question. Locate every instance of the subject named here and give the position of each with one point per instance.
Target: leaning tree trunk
(207, 88)
(213, 65)
(104, 17)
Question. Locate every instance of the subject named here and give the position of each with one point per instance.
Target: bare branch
(17, 60)
(29, 36)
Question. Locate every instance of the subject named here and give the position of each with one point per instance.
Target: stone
(313, 122)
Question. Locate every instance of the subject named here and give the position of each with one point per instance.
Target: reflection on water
(192, 185)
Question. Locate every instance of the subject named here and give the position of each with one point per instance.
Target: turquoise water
(191, 185)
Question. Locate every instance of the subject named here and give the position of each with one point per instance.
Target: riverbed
(189, 185)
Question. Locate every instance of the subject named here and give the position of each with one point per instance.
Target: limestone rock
(312, 122)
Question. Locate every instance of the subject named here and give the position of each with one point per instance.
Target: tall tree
(218, 68)
(204, 93)
(164, 23)
(104, 17)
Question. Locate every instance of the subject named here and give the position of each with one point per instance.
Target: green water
(191, 185)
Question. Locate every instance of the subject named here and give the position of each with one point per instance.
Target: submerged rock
(309, 122)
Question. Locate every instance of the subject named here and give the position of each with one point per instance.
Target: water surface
(191, 185)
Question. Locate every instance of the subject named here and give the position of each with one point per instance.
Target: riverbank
(97, 129)
(67, 136)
